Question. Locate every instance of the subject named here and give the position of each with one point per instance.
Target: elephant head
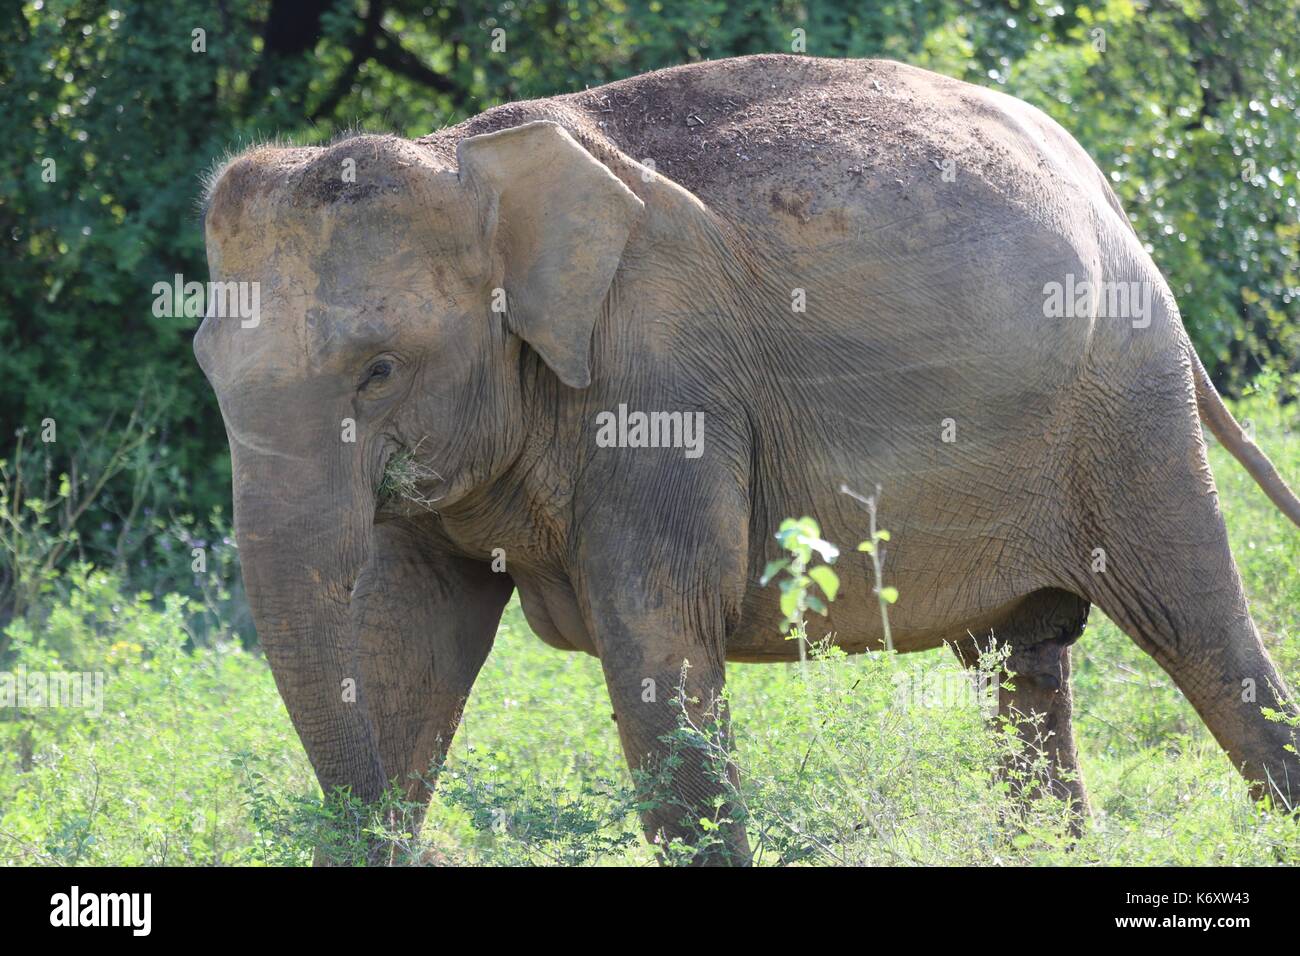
(398, 298)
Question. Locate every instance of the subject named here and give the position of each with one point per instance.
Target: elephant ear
(559, 219)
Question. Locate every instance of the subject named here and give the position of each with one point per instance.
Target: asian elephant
(615, 337)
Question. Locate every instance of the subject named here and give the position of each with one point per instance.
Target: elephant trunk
(303, 540)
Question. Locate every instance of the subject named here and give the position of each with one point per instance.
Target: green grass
(193, 760)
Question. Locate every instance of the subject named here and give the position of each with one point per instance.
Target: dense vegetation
(114, 552)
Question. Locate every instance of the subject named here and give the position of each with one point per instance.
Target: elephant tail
(1234, 438)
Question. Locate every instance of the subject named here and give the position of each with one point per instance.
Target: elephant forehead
(369, 193)
(384, 235)
(331, 280)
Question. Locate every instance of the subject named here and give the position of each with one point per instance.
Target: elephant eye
(377, 372)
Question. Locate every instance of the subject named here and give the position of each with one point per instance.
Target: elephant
(595, 348)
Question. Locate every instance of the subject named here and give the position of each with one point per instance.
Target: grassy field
(855, 760)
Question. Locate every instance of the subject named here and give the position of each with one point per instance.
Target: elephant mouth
(409, 487)
(395, 509)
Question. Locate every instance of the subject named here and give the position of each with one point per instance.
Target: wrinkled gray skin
(672, 290)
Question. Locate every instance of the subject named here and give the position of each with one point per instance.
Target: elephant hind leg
(1154, 557)
(1035, 695)
(1181, 600)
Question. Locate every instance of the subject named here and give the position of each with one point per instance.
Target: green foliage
(150, 778)
(802, 538)
(522, 821)
(46, 522)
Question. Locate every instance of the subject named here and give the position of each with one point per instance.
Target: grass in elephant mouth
(404, 477)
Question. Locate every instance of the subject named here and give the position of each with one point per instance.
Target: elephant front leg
(426, 621)
(661, 640)
(675, 732)
(660, 573)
